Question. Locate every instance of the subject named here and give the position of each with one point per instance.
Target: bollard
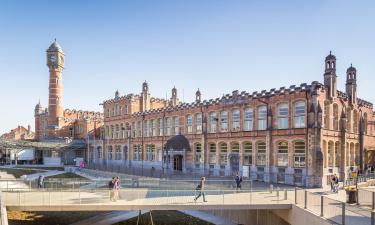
(271, 188)
(321, 206)
(277, 195)
(343, 214)
(305, 200)
(295, 195)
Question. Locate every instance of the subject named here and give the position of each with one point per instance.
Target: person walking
(116, 188)
(238, 180)
(111, 187)
(40, 181)
(200, 189)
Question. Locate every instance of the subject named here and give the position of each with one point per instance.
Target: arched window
(299, 114)
(198, 152)
(365, 123)
(262, 117)
(176, 125)
(261, 153)
(248, 119)
(355, 121)
(326, 115)
(282, 153)
(356, 154)
(223, 153)
(330, 153)
(335, 117)
(189, 124)
(282, 116)
(236, 120)
(352, 154)
(110, 153)
(118, 153)
(136, 152)
(235, 147)
(150, 152)
(247, 153)
(213, 122)
(325, 154)
(299, 154)
(224, 121)
(337, 154)
(212, 153)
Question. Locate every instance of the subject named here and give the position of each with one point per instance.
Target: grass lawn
(17, 173)
(48, 218)
(165, 218)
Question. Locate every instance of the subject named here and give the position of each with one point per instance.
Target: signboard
(354, 174)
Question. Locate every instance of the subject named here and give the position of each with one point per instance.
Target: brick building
(295, 135)
(19, 133)
(55, 123)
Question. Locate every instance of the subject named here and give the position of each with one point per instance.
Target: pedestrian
(116, 188)
(111, 185)
(238, 180)
(200, 189)
(40, 181)
(334, 183)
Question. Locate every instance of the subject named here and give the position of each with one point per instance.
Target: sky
(215, 45)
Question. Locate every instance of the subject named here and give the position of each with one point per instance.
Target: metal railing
(334, 210)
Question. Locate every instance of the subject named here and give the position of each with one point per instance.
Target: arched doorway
(234, 162)
(176, 150)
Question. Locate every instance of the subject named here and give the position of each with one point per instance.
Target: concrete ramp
(110, 218)
(208, 217)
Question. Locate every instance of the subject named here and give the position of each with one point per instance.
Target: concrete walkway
(49, 173)
(110, 218)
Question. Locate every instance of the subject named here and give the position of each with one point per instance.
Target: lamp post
(142, 155)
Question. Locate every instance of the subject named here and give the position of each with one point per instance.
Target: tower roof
(330, 56)
(351, 69)
(55, 47)
(38, 106)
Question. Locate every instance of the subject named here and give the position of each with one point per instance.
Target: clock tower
(55, 63)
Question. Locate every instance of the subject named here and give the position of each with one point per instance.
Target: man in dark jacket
(238, 180)
(200, 189)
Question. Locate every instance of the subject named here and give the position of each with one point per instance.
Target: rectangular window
(161, 127)
(261, 154)
(176, 128)
(299, 115)
(224, 121)
(213, 122)
(189, 124)
(154, 127)
(169, 126)
(198, 123)
(262, 118)
(236, 120)
(248, 120)
(282, 116)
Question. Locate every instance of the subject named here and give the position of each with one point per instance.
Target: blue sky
(217, 46)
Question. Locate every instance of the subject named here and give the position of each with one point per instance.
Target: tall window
(110, 152)
(248, 119)
(349, 120)
(161, 127)
(224, 121)
(235, 147)
(145, 128)
(212, 153)
(282, 116)
(118, 153)
(213, 122)
(154, 127)
(299, 154)
(136, 152)
(365, 123)
(198, 152)
(326, 115)
(198, 123)
(150, 152)
(139, 130)
(335, 117)
(223, 153)
(247, 153)
(261, 154)
(299, 114)
(236, 120)
(169, 126)
(176, 123)
(282, 153)
(262, 117)
(100, 152)
(189, 124)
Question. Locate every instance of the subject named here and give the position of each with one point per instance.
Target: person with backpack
(111, 187)
(200, 189)
(238, 181)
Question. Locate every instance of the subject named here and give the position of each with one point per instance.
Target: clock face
(53, 59)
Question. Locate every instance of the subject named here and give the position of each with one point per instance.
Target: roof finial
(55, 39)
(330, 52)
(351, 65)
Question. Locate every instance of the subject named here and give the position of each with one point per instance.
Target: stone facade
(296, 135)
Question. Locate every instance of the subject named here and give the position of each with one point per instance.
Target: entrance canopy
(178, 143)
